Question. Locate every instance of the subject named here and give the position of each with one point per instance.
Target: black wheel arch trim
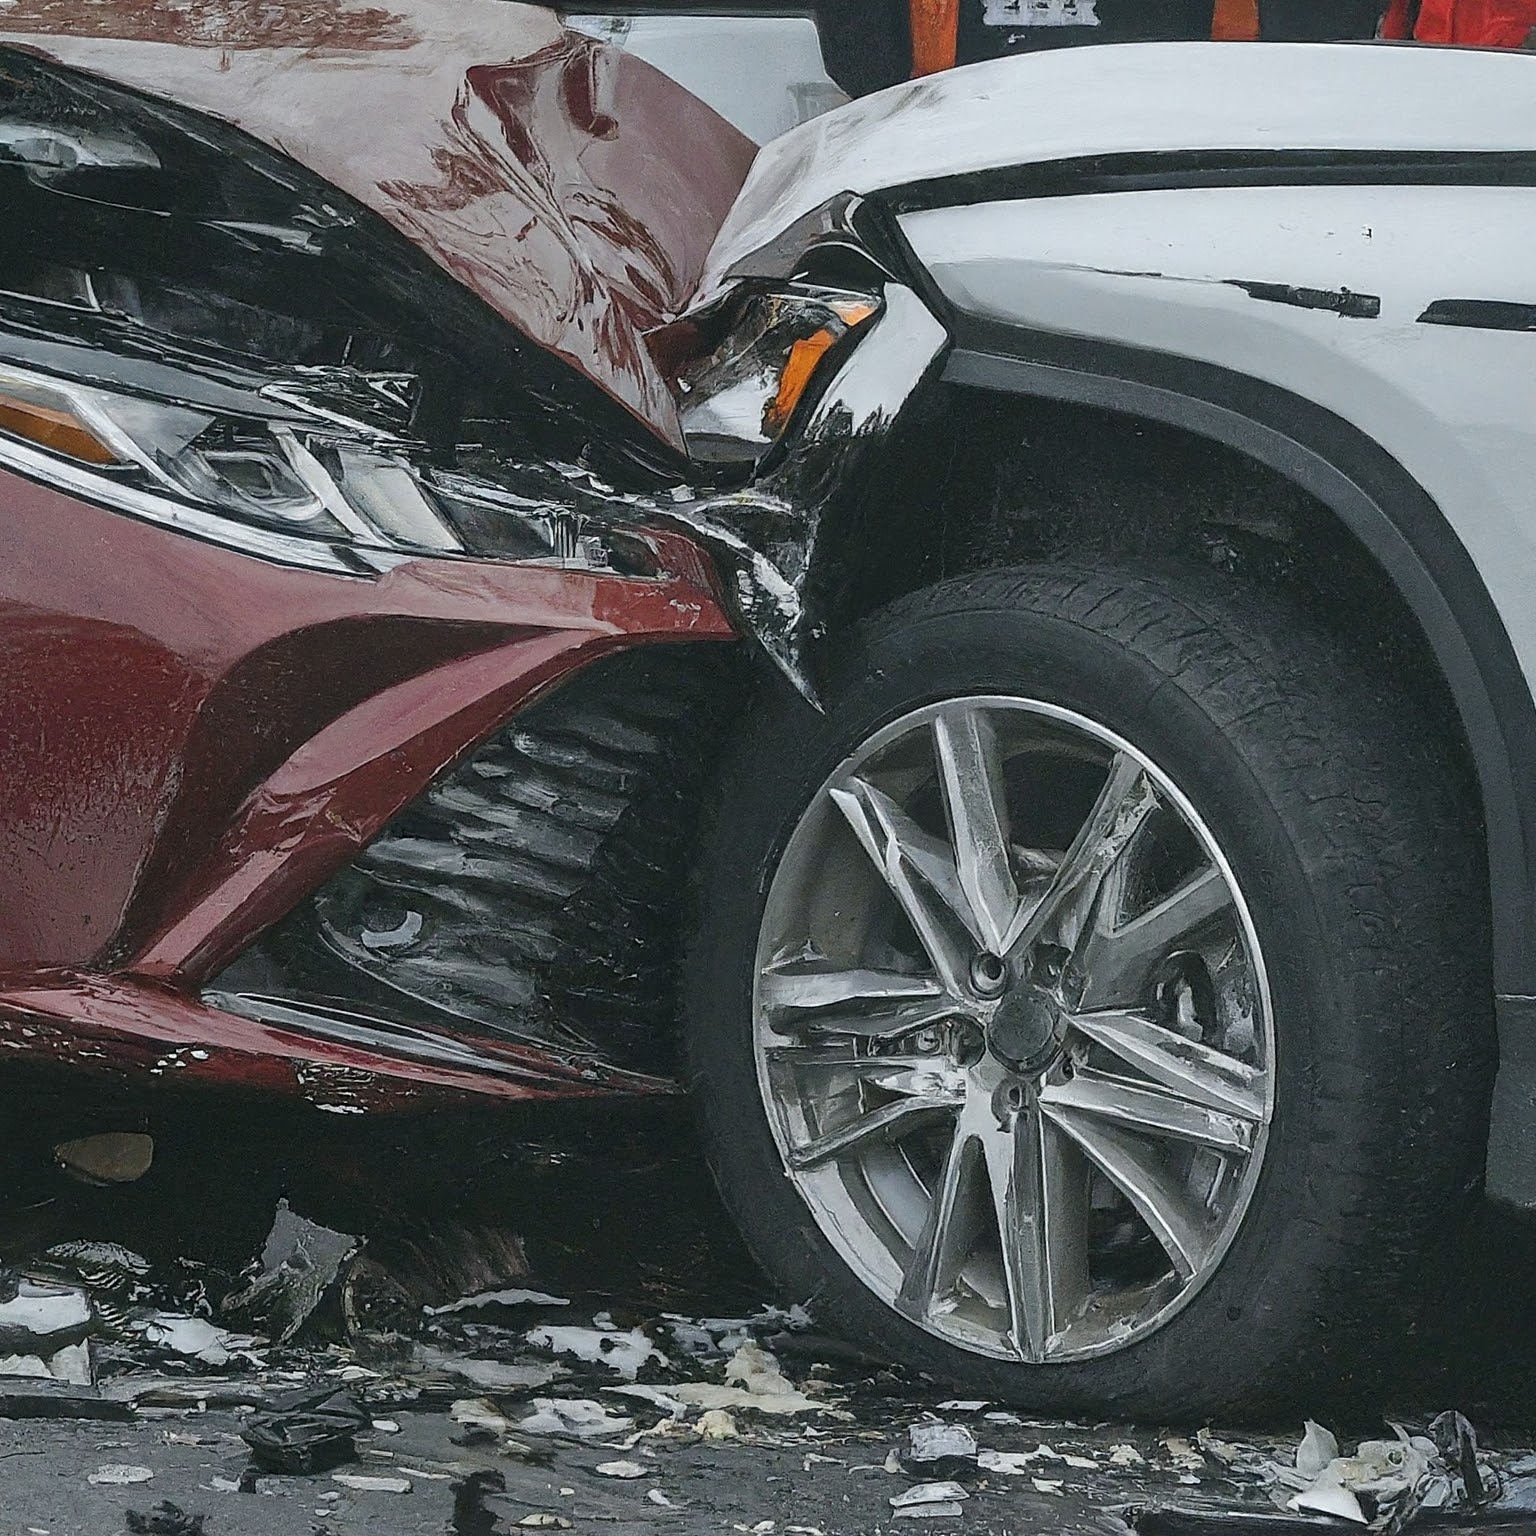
(1403, 529)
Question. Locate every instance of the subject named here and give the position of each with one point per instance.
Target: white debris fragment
(72, 1364)
(624, 1353)
(196, 1338)
(480, 1413)
(1223, 1450)
(1047, 1485)
(545, 1522)
(1329, 1499)
(929, 1442)
(1125, 1456)
(668, 1404)
(626, 1471)
(963, 1405)
(576, 1416)
(1002, 1418)
(1318, 1447)
(488, 1375)
(510, 1298)
(31, 1367)
(1013, 1463)
(930, 1501)
(656, 1496)
(43, 1312)
(1183, 1455)
(717, 1424)
(372, 1482)
(754, 1381)
(119, 1476)
(224, 1484)
(386, 1426)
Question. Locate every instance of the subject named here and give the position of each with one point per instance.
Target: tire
(1355, 877)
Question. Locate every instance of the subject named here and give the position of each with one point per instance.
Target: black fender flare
(1404, 531)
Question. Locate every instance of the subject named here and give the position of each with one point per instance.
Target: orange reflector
(1236, 21)
(55, 430)
(804, 359)
(935, 35)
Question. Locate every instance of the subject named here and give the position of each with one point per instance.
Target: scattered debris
(512, 1298)
(370, 1482)
(580, 1417)
(309, 1432)
(301, 1264)
(717, 1424)
(165, 1519)
(930, 1501)
(117, 1475)
(754, 1380)
(1051, 1485)
(627, 1471)
(488, 1375)
(937, 1447)
(624, 1353)
(196, 1338)
(41, 1319)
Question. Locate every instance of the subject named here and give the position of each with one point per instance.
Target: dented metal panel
(570, 185)
(1146, 99)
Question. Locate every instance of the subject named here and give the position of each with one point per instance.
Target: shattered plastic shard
(1318, 1447)
(929, 1493)
(626, 1471)
(117, 1475)
(926, 1443)
(576, 1416)
(624, 1353)
(366, 1482)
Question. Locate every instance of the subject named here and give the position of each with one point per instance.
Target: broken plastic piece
(165, 1519)
(301, 1265)
(366, 1482)
(926, 1445)
(626, 1471)
(624, 1353)
(307, 1433)
(119, 1475)
(580, 1417)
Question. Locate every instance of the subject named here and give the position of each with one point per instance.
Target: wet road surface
(613, 1212)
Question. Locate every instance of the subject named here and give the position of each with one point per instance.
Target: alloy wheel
(1013, 1030)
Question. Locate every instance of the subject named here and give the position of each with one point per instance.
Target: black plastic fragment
(1338, 301)
(1457, 1442)
(165, 1519)
(1212, 1520)
(1481, 314)
(36, 1400)
(309, 1432)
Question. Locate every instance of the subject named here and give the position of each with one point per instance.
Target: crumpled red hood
(572, 187)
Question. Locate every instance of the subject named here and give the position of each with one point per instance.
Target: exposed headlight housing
(737, 401)
(314, 488)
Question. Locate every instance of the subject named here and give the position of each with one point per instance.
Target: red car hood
(574, 188)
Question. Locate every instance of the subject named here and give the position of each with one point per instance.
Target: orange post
(935, 35)
(1236, 21)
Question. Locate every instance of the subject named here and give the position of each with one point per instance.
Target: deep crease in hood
(571, 186)
(1141, 99)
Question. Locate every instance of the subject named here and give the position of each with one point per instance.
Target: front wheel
(1089, 1009)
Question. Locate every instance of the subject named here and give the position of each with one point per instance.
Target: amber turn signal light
(805, 358)
(57, 431)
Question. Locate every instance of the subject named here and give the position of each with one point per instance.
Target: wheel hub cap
(1027, 1030)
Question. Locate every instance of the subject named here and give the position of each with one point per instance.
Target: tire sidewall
(1241, 1323)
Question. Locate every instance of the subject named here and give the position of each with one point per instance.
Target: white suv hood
(1143, 98)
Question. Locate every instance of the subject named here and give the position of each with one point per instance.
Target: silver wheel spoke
(1189, 1069)
(965, 746)
(1137, 1170)
(1118, 957)
(1152, 1111)
(890, 1122)
(869, 1004)
(1040, 1200)
(1123, 806)
(948, 1230)
(842, 1066)
(920, 872)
